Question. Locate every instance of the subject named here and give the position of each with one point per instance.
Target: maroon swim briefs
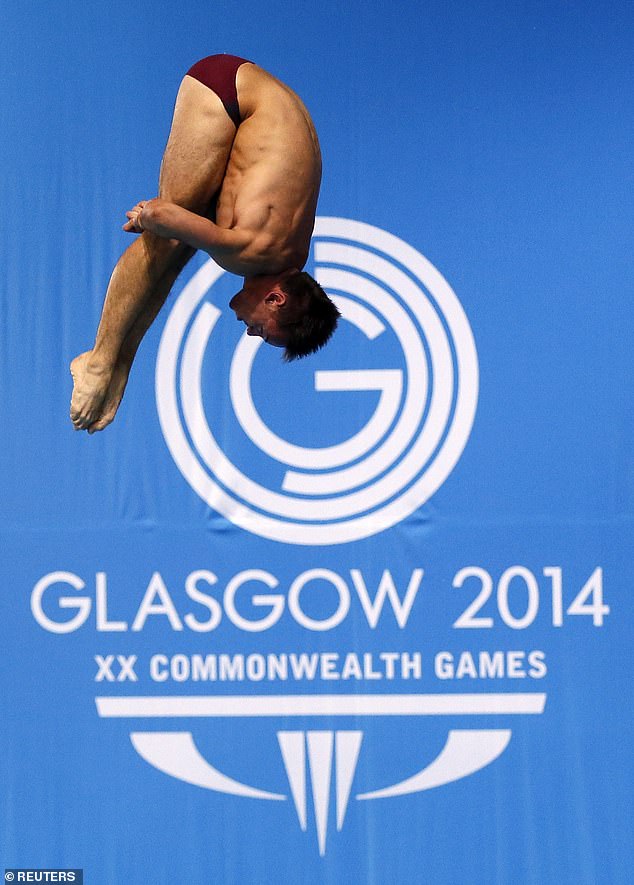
(218, 73)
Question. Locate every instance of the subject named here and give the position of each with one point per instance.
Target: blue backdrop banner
(362, 618)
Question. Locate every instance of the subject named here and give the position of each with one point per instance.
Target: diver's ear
(276, 297)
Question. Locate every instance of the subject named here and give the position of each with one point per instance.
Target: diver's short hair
(308, 319)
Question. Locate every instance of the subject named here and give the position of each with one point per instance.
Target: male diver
(239, 179)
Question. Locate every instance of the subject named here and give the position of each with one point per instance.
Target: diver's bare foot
(112, 398)
(90, 386)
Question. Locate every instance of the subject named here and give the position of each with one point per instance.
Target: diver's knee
(162, 248)
(164, 256)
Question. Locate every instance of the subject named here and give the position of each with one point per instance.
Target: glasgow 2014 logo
(387, 469)
(330, 756)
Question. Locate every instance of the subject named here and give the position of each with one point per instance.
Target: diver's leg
(192, 170)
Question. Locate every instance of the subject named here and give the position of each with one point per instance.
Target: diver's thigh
(198, 147)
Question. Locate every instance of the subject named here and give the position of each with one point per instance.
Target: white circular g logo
(386, 470)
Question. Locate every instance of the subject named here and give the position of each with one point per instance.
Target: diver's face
(256, 306)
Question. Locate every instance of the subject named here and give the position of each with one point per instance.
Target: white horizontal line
(219, 706)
